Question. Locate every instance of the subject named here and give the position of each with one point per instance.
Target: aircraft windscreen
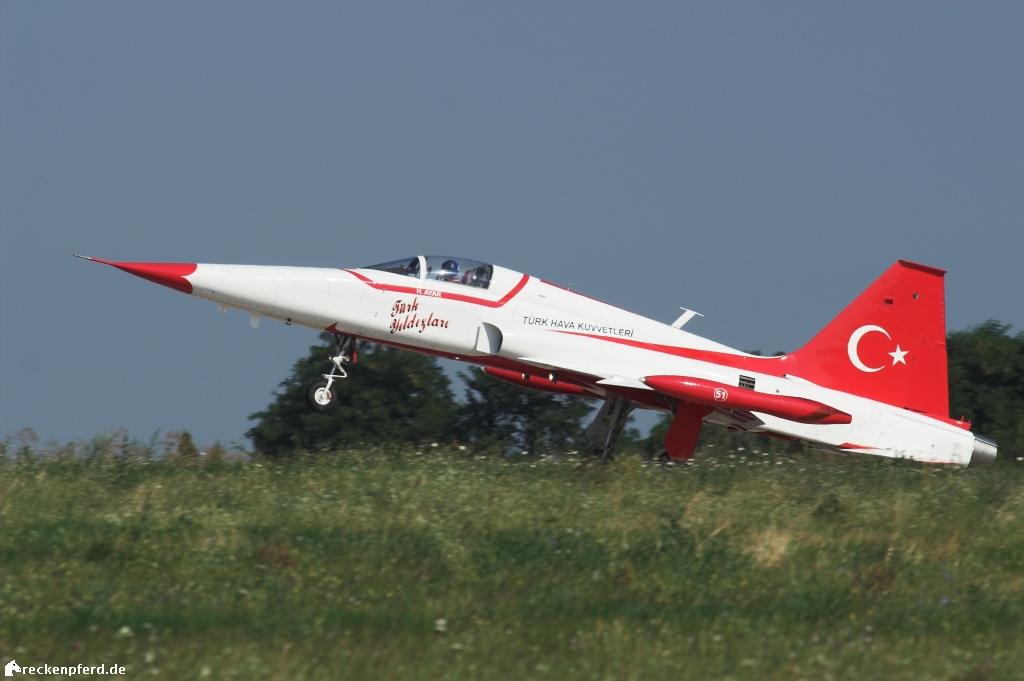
(441, 268)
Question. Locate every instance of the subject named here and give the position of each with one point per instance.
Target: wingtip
(83, 257)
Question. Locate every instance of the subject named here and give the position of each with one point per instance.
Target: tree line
(396, 396)
(393, 396)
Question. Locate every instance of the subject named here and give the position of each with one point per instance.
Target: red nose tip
(169, 274)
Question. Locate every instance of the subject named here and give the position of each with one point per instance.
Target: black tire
(316, 398)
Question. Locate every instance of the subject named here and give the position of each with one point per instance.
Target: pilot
(413, 268)
(449, 271)
(476, 277)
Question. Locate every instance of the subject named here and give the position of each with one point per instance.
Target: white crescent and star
(898, 356)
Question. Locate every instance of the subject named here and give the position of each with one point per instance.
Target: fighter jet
(873, 381)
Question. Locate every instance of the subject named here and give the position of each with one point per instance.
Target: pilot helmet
(450, 266)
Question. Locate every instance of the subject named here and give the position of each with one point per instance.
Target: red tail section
(888, 345)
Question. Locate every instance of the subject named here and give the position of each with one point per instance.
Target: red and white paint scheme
(872, 381)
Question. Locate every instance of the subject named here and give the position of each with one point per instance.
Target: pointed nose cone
(171, 275)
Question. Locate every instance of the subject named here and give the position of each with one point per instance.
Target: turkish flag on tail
(888, 345)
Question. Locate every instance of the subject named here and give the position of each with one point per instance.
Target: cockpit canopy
(441, 268)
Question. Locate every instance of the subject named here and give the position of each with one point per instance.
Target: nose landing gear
(321, 395)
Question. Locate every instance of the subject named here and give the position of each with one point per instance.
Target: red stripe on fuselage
(411, 290)
(773, 366)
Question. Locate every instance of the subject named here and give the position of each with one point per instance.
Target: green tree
(186, 450)
(216, 454)
(499, 414)
(986, 383)
(390, 395)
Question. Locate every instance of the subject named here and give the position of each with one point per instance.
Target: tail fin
(888, 345)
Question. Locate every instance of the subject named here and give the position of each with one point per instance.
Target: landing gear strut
(321, 395)
(604, 431)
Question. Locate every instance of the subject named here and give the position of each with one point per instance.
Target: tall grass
(437, 564)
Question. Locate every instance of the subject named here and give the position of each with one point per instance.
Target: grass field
(436, 564)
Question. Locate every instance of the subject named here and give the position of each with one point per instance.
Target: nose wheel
(322, 395)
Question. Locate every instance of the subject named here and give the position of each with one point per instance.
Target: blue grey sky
(760, 163)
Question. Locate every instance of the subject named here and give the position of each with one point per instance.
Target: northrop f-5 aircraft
(873, 381)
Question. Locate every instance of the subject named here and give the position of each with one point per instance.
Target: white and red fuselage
(873, 381)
